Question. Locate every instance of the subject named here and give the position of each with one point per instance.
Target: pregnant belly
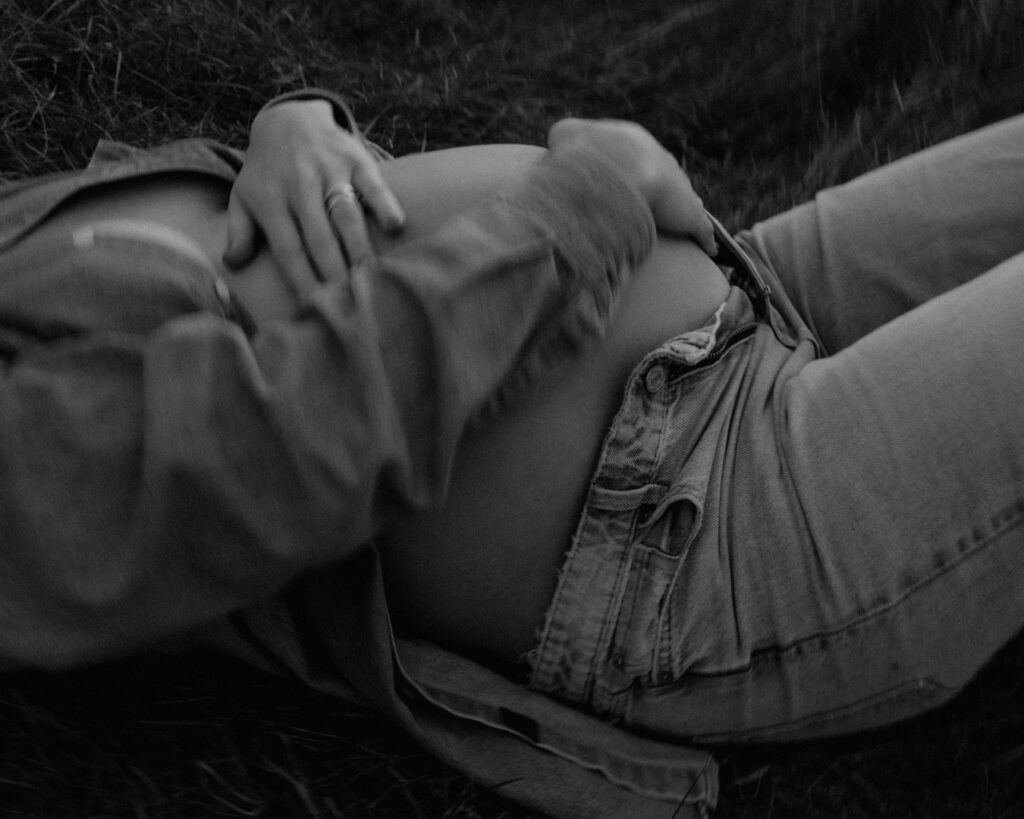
(477, 574)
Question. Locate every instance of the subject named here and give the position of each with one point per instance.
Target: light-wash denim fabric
(820, 533)
(84, 441)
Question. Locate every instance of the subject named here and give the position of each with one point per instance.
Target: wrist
(343, 116)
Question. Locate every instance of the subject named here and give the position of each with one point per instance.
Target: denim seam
(609, 625)
(802, 724)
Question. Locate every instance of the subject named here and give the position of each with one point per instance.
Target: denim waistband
(741, 270)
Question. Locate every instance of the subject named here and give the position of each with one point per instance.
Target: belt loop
(726, 243)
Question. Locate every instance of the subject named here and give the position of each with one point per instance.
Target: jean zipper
(734, 335)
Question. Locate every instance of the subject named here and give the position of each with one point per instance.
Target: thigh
(863, 253)
(876, 560)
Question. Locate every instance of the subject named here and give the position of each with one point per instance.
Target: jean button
(654, 378)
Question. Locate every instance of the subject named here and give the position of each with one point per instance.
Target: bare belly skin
(476, 575)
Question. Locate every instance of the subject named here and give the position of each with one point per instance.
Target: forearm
(367, 390)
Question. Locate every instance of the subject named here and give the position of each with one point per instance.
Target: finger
(289, 252)
(242, 232)
(347, 217)
(706, 235)
(321, 241)
(564, 130)
(678, 209)
(378, 197)
(704, 229)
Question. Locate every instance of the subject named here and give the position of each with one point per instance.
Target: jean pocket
(669, 525)
(665, 520)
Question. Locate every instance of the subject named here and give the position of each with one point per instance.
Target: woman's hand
(304, 183)
(634, 151)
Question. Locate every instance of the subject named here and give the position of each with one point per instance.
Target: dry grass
(764, 101)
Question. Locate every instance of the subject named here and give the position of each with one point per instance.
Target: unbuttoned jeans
(818, 530)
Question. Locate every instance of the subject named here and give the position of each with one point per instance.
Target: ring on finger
(343, 192)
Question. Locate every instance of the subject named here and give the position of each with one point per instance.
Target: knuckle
(287, 244)
(305, 175)
(322, 241)
(366, 172)
(347, 214)
(355, 238)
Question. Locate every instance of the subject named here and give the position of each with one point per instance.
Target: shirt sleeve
(150, 482)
